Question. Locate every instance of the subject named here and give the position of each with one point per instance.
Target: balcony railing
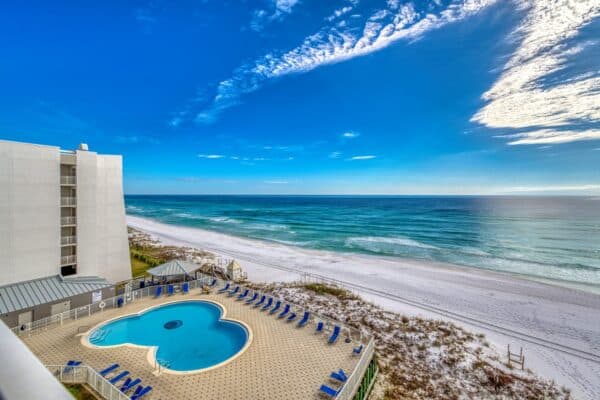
(68, 260)
(68, 201)
(68, 180)
(68, 221)
(68, 240)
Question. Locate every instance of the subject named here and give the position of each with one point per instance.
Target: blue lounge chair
(170, 290)
(327, 390)
(130, 384)
(141, 393)
(357, 350)
(320, 326)
(251, 299)
(158, 291)
(137, 390)
(285, 311)
(119, 377)
(262, 300)
(241, 296)
(304, 319)
(276, 308)
(291, 317)
(334, 335)
(339, 376)
(213, 283)
(233, 292)
(69, 366)
(185, 288)
(108, 370)
(225, 288)
(268, 305)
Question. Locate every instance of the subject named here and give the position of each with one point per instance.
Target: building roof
(21, 295)
(174, 267)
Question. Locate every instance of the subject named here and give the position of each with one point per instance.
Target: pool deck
(281, 362)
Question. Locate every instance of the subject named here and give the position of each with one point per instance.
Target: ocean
(554, 238)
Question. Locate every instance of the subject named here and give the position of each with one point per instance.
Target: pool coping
(151, 355)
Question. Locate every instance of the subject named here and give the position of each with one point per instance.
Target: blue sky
(306, 96)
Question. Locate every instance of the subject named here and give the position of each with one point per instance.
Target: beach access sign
(97, 296)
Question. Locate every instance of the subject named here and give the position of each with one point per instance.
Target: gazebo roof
(174, 267)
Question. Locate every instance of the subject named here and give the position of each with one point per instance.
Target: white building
(62, 216)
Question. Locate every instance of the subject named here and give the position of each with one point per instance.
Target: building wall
(22, 375)
(102, 244)
(43, 310)
(29, 211)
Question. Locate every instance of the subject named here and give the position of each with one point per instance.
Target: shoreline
(558, 327)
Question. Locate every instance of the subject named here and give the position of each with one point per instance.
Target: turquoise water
(554, 238)
(189, 334)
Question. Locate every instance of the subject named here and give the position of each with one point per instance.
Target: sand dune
(558, 327)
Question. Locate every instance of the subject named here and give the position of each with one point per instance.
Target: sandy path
(558, 328)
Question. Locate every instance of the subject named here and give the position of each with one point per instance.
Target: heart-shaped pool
(186, 336)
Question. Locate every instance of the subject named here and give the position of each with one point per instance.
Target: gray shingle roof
(21, 295)
(174, 267)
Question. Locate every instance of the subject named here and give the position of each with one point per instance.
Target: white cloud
(555, 188)
(276, 182)
(285, 5)
(335, 154)
(520, 101)
(338, 13)
(370, 157)
(281, 8)
(333, 44)
(211, 156)
(393, 4)
(350, 134)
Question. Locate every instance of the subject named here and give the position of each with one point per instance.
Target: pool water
(190, 335)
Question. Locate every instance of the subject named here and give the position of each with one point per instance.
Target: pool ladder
(160, 364)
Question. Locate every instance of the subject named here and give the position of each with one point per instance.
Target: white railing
(68, 201)
(68, 180)
(68, 220)
(66, 260)
(347, 391)
(57, 320)
(351, 386)
(85, 374)
(68, 240)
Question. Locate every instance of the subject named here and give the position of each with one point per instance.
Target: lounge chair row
(340, 378)
(185, 289)
(266, 304)
(110, 373)
(271, 305)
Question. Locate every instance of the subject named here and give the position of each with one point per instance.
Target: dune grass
(320, 288)
(80, 392)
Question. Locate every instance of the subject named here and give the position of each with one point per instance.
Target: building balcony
(68, 201)
(68, 240)
(65, 221)
(68, 260)
(68, 180)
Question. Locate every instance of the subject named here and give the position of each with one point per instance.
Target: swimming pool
(186, 336)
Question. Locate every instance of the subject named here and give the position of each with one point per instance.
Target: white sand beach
(558, 327)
